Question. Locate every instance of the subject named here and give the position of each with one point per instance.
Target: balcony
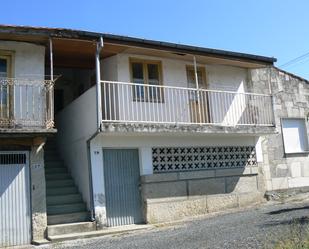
(26, 104)
(145, 105)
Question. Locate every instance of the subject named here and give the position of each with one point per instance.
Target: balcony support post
(197, 90)
(100, 45)
(50, 88)
(51, 58)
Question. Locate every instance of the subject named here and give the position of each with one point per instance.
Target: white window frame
(287, 139)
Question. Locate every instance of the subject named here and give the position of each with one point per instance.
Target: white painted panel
(145, 157)
(259, 151)
(15, 225)
(294, 135)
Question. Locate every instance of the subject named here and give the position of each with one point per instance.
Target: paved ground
(254, 228)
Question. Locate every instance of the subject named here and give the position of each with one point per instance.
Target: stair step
(57, 176)
(56, 170)
(61, 191)
(60, 183)
(54, 163)
(66, 209)
(50, 150)
(67, 218)
(63, 199)
(79, 227)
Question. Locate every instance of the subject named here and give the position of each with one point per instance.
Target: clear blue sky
(278, 28)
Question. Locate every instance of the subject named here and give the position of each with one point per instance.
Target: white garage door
(15, 226)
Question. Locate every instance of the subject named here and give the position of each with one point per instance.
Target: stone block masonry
(173, 196)
(290, 100)
(38, 194)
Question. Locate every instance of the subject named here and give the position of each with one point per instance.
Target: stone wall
(173, 196)
(38, 193)
(291, 100)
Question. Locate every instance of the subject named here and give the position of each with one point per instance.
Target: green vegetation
(298, 236)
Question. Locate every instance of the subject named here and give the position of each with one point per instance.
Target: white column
(145, 161)
(98, 187)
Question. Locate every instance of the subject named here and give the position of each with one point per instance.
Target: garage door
(121, 174)
(15, 226)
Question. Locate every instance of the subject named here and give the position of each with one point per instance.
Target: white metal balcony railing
(139, 103)
(26, 103)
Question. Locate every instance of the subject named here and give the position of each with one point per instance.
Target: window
(147, 74)
(294, 135)
(5, 72)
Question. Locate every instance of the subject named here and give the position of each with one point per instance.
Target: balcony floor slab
(186, 128)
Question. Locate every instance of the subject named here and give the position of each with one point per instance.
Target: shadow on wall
(8, 176)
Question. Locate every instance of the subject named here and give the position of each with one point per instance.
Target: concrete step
(52, 170)
(53, 152)
(63, 199)
(61, 191)
(66, 209)
(57, 176)
(52, 158)
(79, 227)
(57, 163)
(48, 151)
(91, 234)
(60, 183)
(67, 218)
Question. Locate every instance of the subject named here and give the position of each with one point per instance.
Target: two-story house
(147, 131)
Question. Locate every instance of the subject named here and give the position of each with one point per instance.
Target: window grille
(174, 159)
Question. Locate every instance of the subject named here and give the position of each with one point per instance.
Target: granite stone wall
(290, 100)
(173, 196)
(38, 193)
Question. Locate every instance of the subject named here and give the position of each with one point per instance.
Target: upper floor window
(147, 76)
(4, 66)
(5, 72)
(295, 136)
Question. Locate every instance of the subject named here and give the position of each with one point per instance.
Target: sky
(274, 28)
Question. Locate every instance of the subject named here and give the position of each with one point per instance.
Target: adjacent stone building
(286, 157)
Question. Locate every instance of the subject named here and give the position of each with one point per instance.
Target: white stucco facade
(144, 143)
(28, 59)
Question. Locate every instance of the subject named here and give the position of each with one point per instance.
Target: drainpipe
(92, 205)
(197, 87)
(100, 45)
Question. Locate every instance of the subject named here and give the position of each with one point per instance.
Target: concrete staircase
(66, 211)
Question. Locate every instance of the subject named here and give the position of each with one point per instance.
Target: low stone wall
(173, 196)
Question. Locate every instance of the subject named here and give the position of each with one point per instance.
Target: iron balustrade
(26, 103)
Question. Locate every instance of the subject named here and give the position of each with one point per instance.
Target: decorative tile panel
(173, 159)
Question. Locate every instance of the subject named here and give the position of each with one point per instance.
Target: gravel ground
(259, 227)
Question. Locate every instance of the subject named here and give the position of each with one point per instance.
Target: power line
(298, 63)
(295, 60)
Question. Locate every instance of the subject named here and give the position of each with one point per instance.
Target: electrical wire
(295, 60)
